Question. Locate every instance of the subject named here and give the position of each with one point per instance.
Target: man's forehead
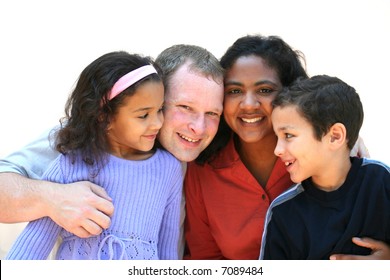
(179, 97)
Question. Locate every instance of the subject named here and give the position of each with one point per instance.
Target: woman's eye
(233, 91)
(288, 135)
(265, 91)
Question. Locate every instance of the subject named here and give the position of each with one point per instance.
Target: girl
(108, 137)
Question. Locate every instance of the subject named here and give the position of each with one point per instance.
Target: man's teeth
(188, 139)
(287, 163)
(251, 120)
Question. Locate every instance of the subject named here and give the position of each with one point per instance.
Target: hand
(380, 250)
(81, 208)
(360, 149)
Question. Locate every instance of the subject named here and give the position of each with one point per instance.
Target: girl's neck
(131, 155)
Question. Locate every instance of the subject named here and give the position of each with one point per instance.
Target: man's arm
(360, 149)
(82, 208)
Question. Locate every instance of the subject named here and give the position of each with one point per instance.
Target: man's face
(193, 107)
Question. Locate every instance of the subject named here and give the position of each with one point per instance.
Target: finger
(104, 210)
(81, 232)
(366, 242)
(102, 202)
(348, 257)
(96, 220)
(100, 192)
(92, 228)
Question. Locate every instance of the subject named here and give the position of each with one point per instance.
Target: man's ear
(337, 135)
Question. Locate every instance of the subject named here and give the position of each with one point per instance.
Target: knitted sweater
(145, 224)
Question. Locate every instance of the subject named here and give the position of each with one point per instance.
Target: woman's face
(250, 87)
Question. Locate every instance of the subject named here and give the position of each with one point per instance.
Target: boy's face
(303, 155)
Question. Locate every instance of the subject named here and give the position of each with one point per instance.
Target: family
(191, 157)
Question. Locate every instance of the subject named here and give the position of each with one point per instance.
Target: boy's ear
(337, 135)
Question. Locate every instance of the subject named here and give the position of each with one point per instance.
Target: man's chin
(185, 156)
(182, 152)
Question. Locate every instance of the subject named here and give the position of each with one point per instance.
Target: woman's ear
(337, 135)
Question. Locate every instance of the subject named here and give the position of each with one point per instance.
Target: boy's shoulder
(288, 195)
(376, 172)
(376, 164)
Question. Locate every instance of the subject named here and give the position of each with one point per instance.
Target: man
(193, 82)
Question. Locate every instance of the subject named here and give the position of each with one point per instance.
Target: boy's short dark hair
(324, 101)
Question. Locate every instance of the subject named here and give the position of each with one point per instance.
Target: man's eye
(185, 107)
(213, 114)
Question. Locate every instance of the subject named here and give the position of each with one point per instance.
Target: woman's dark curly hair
(277, 54)
(88, 110)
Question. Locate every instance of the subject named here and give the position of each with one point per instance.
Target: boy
(317, 122)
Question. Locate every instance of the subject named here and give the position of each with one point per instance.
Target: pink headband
(129, 79)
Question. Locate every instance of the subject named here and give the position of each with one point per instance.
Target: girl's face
(133, 129)
(250, 87)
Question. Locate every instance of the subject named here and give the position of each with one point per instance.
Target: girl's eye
(143, 116)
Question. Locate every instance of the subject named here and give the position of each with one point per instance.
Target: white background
(46, 44)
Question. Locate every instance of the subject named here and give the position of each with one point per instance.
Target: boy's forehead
(286, 117)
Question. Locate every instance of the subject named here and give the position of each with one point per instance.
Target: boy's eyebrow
(285, 127)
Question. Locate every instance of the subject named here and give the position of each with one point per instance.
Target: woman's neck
(259, 157)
